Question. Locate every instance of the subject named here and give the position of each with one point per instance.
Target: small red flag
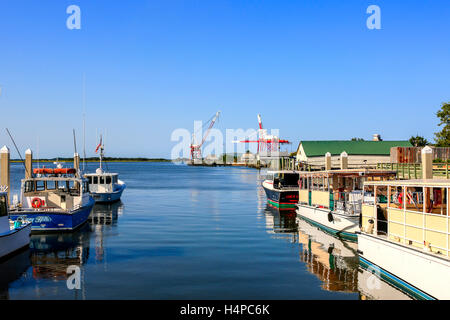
(96, 149)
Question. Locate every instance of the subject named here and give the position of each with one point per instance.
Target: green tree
(442, 138)
(357, 139)
(418, 141)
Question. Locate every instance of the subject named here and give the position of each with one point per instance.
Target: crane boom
(209, 128)
(196, 153)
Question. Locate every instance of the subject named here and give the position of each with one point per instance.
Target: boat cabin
(46, 193)
(283, 179)
(102, 182)
(410, 212)
(338, 190)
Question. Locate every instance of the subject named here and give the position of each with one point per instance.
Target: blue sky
(311, 68)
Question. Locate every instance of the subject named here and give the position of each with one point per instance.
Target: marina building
(359, 153)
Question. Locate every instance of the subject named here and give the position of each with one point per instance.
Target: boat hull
(341, 226)
(14, 240)
(420, 274)
(108, 197)
(44, 221)
(281, 199)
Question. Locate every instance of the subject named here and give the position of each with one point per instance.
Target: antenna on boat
(74, 141)
(38, 155)
(17, 149)
(84, 121)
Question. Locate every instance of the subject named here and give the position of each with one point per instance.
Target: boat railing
(281, 186)
(47, 209)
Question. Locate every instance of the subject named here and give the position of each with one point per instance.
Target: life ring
(36, 203)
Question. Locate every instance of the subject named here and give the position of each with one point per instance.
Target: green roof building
(360, 153)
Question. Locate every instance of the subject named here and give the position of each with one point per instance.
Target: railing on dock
(414, 170)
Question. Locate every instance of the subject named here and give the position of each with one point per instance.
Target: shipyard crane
(196, 149)
(266, 142)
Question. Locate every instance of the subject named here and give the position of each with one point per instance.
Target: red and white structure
(267, 143)
(196, 149)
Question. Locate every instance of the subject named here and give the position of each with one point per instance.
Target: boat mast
(101, 152)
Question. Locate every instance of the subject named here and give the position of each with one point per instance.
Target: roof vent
(376, 137)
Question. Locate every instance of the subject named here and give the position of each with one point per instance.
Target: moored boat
(13, 236)
(104, 187)
(404, 238)
(281, 188)
(331, 199)
(54, 201)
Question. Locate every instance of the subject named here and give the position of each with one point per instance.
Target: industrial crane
(196, 149)
(266, 142)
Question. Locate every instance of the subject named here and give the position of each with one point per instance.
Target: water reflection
(105, 214)
(102, 220)
(52, 254)
(336, 264)
(13, 269)
(282, 224)
(333, 261)
(372, 288)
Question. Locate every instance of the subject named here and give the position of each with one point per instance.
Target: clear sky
(311, 68)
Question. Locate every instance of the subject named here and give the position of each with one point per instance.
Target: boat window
(115, 179)
(396, 197)
(29, 186)
(289, 179)
(381, 204)
(40, 185)
(63, 186)
(73, 186)
(3, 206)
(51, 185)
(85, 186)
(435, 200)
(108, 180)
(90, 179)
(414, 199)
(95, 180)
(102, 180)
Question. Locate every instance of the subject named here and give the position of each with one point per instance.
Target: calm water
(187, 233)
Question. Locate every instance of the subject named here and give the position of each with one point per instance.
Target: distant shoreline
(96, 160)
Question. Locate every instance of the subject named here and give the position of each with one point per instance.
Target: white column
(344, 160)
(5, 179)
(328, 161)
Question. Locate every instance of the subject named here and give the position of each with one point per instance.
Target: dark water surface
(185, 233)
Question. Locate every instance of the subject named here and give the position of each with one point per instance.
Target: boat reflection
(105, 214)
(333, 261)
(13, 269)
(282, 224)
(102, 219)
(336, 264)
(52, 254)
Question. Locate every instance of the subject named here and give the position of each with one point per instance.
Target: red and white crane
(196, 149)
(266, 142)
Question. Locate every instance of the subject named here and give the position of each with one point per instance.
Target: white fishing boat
(105, 187)
(13, 235)
(331, 199)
